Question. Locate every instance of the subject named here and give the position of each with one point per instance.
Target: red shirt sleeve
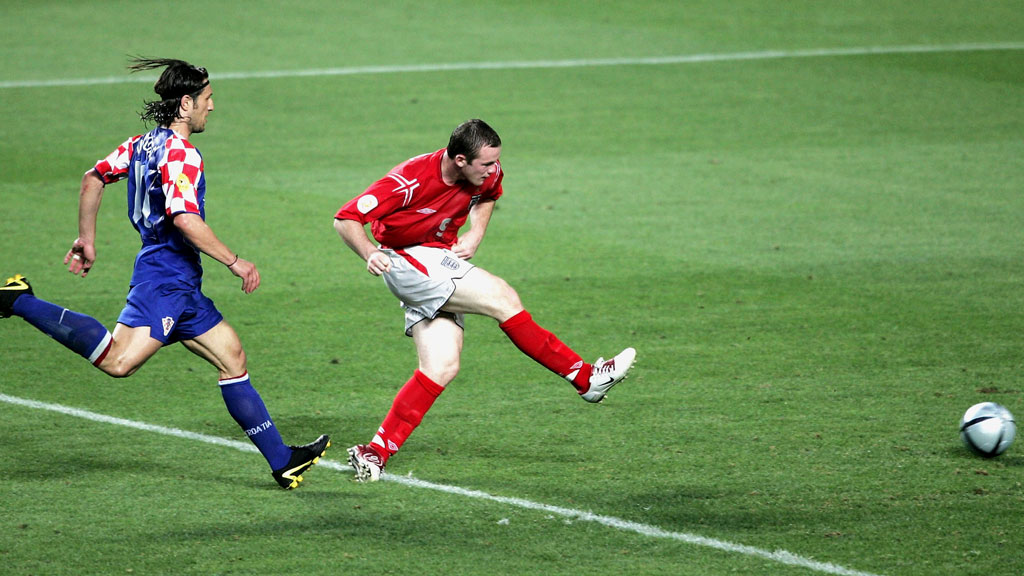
(383, 197)
(115, 166)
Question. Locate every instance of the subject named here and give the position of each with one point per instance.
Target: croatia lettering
(257, 429)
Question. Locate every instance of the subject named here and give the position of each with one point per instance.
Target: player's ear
(460, 160)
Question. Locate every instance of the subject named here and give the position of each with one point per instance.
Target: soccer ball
(987, 429)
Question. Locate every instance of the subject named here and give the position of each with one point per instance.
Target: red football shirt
(413, 206)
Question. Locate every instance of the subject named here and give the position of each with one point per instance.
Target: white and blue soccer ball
(987, 429)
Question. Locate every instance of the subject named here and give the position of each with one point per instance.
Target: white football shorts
(423, 279)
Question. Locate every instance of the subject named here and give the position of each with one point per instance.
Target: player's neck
(181, 128)
(449, 171)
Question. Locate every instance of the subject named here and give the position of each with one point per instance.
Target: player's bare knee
(505, 301)
(512, 298)
(441, 373)
(118, 368)
(235, 364)
(449, 374)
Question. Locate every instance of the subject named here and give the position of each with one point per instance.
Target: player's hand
(466, 247)
(378, 263)
(248, 273)
(80, 258)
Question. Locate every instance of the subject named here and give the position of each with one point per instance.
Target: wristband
(233, 262)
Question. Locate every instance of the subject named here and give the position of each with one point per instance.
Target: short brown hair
(469, 137)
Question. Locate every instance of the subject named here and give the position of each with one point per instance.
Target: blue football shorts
(173, 312)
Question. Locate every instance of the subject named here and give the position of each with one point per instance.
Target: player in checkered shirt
(166, 205)
(415, 213)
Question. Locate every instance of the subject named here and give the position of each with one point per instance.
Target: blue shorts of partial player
(423, 278)
(173, 311)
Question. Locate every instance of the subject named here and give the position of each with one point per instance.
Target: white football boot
(608, 373)
(366, 462)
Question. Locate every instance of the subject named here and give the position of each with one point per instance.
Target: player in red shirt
(415, 213)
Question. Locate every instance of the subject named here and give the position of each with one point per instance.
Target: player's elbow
(92, 178)
(351, 231)
(186, 222)
(344, 226)
(92, 184)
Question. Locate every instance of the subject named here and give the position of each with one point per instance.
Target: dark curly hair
(179, 79)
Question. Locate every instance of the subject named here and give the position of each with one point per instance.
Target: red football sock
(411, 403)
(547, 349)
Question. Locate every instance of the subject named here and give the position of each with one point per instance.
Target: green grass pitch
(812, 231)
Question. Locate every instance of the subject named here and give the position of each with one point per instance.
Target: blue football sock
(82, 334)
(247, 408)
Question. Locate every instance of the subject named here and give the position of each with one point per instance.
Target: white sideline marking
(780, 556)
(534, 64)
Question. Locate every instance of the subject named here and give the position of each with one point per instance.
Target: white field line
(779, 556)
(536, 64)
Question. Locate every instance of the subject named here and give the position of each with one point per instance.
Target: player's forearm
(200, 235)
(479, 218)
(354, 235)
(89, 198)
